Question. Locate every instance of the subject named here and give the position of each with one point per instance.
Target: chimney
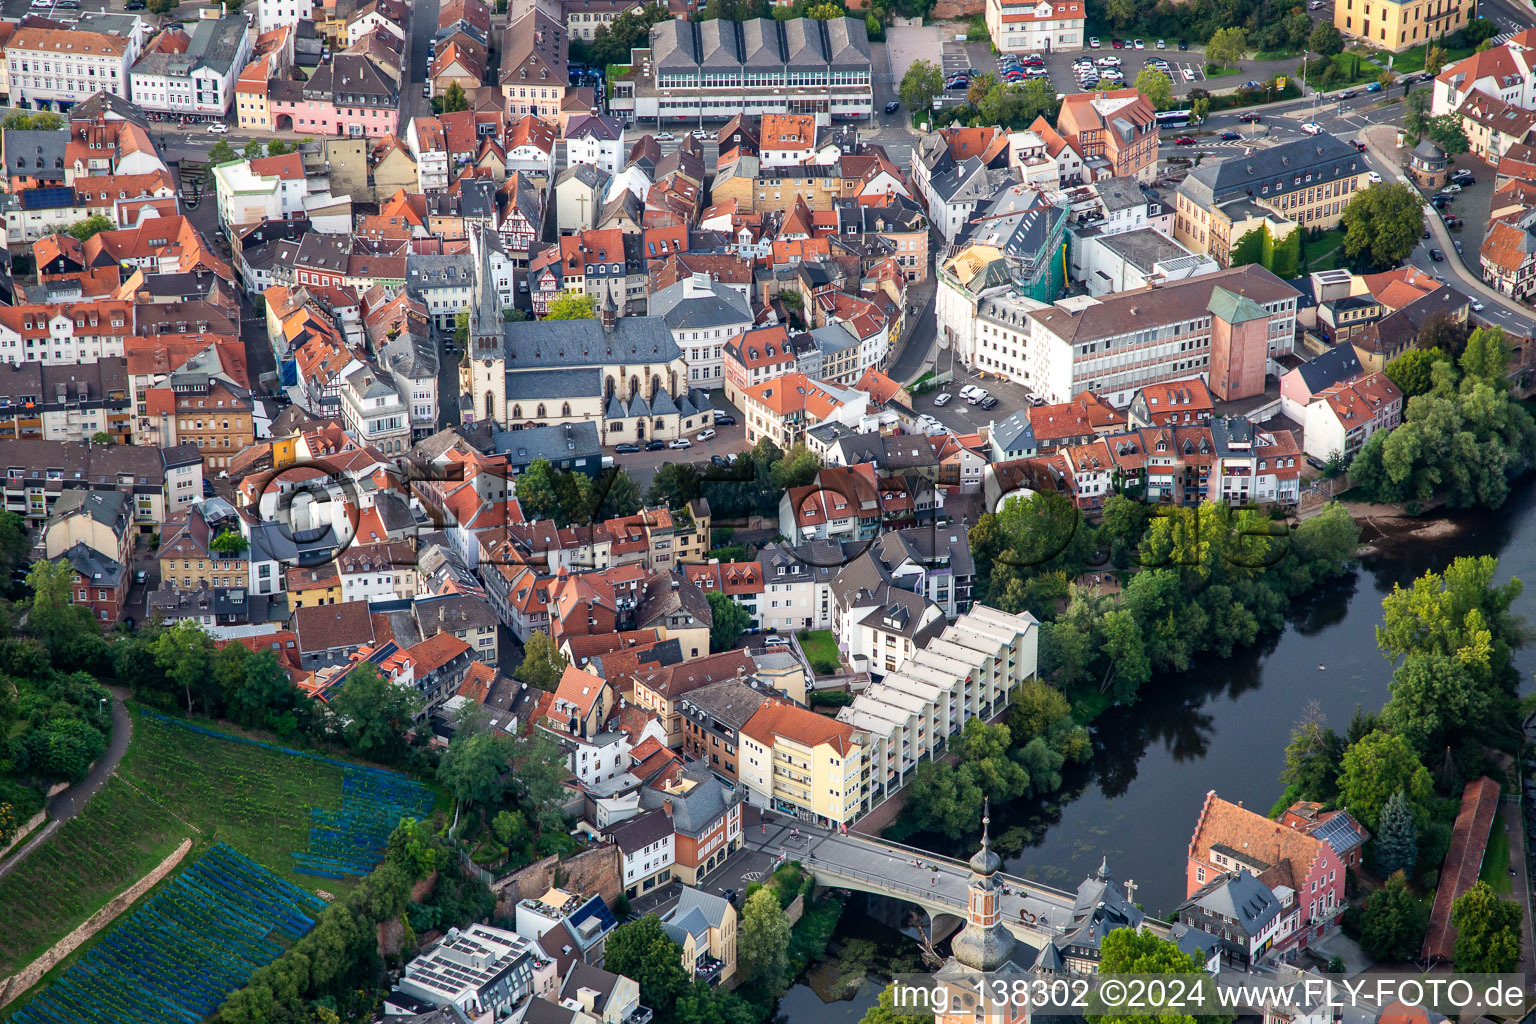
(666, 805)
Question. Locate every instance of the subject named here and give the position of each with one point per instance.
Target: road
(72, 801)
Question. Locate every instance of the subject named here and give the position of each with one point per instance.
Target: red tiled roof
(1464, 862)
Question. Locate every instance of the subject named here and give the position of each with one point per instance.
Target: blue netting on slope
(179, 956)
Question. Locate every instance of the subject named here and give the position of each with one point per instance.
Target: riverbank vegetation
(1453, 716)
(1186, 582)
(1463, 438)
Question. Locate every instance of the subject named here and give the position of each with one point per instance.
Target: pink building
(348, 95)
(1303, 870)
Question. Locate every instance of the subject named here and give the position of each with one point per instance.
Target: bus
(1174, 119)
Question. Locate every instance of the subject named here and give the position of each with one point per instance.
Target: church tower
(483, 374)
(985, 943)
(984, 946)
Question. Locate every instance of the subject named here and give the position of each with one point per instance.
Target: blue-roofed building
(1249, 918)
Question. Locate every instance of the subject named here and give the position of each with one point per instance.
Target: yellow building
(1308, 183)
(1401, 24)
(310, 588)
(795, 761)
(188, 559)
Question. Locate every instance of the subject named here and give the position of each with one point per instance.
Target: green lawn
(1215, 72)
(821, 649)
(1323, 253)
(1412, 60)
(1352, 69)
(170, 780)
(1496, 859)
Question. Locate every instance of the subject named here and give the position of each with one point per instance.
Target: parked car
(1189, 74)
(1138, 44)
(681, 442)
(706, 434)
(1315, 5)
(1249, 118)
(724, 419)
(775, 641)
(1093, 42)
(1451, 189)
(1439, 202)
(1457, 243)
(1452, 221)
(1183, 45)
(626, 449)
(1464, 177)
(1036, 401)
(655, 446)
(718, 460)
(1437, 255)
(1184, 140)
(1162, 44)
(219, 128)
(893, 106)
(978, 397)
(1118, 44)
(987, 403)
(700, 134)
(1373, 177)
(1314, 462)
(141, 577)
(943, 398)
(1108, 62)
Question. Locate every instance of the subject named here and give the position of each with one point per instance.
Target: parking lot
(964, 418)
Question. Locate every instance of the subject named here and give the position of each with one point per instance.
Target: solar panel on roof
(47, 198)
(1337, 833)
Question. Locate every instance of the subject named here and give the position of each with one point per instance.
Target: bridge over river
(1035, 913)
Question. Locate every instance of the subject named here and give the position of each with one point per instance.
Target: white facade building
(55, 69)
(201, 80)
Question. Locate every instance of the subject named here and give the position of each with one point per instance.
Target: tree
(887, 1012)
(476, 761)
(1416, 112)
(1444, 332)
(536, 492)
(184, 653)
(1487, 932)
(1446, 132)
(1312, 758)
(1393, 922)
(620, 495)
(1124, 951)
(1434, 60)
(461, 328)
(641, 950)
(825, 12)
(511, 828)
(1397, 838)
(254, 150)
(727, 622)
(229, 542)
(979, 87)
(102, 437)
(280, 147)
(571, 305)
(95, 224)
(762, 941)
(33, 121)
(1375, 768)
(1227, 46)
(538, 779)
(1156, 87)
(454, 98)
(1411, 371)
(1325, 40)
(1382, 224)
(1200, 107)
(674, 485)
(923, 81)
(1436, 697)
(221, 152)
(1486, 359)
(267, 696)
(374, 714)
(543, 664)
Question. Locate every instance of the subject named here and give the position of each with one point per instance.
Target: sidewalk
(1380, 141)
(1510, 819)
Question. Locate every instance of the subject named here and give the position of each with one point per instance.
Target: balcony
(706, 969)
(641, 1015)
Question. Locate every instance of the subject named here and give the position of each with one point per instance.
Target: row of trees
(1210, 580)
(572, 498)
(989, 101)
(752, 486)
(1462, 437)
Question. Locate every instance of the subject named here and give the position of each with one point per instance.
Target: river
(1224, 725)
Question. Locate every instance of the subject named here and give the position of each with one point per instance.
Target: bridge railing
(931, 893)
(928, 857)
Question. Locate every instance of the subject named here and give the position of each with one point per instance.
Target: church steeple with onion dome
(985, 943)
